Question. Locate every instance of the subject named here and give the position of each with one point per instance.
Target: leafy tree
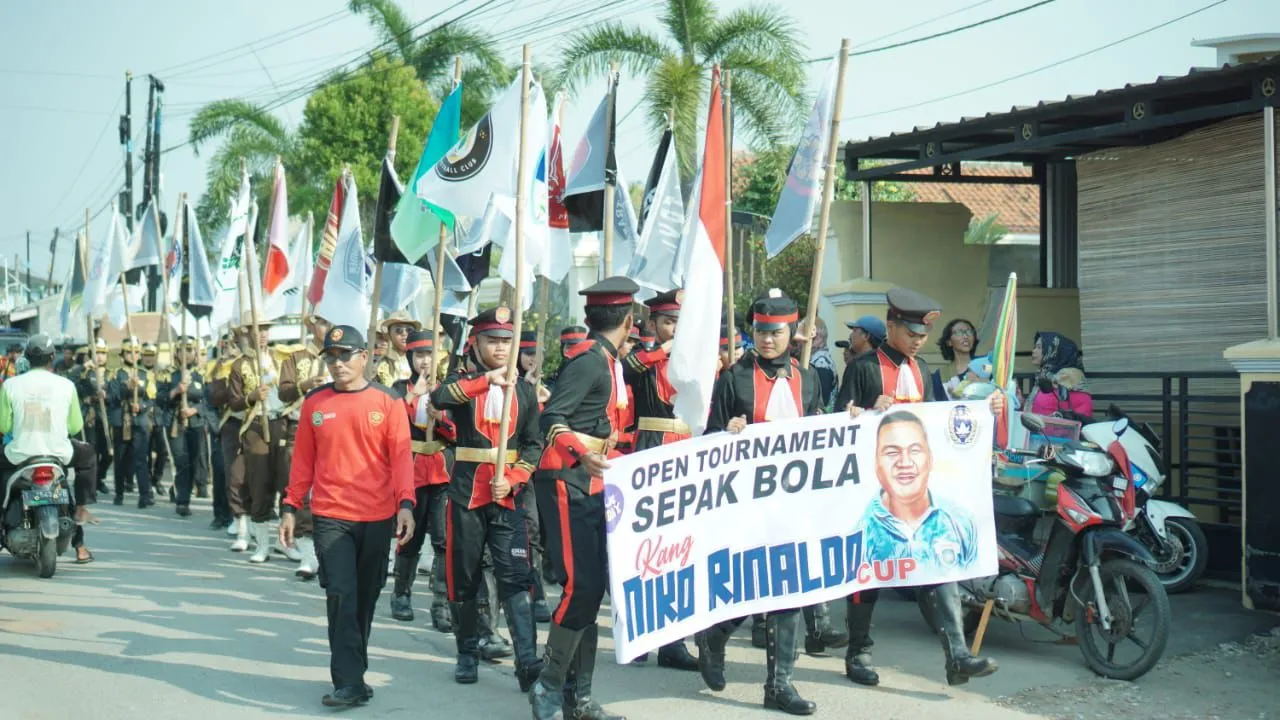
(760, 45)
(985, 231)
(250, 134)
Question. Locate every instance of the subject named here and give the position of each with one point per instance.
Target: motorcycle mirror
(1032, 422)
(1119, 426)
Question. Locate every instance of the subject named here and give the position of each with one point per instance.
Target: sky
(62, 69)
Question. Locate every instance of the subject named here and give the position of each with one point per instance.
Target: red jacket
(352, 453)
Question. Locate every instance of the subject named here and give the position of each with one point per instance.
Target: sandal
(83, 559)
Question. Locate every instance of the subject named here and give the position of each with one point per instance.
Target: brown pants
(266, 467)
(233, 462)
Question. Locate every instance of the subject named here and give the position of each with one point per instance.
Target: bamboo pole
(726, 84)
(250, 268)
(306, 280)
(610, 188)
(438, 280)
(100, 372)
(513, 358)
(544, 296)
(164, 284)
(824, 218)
(377, 271)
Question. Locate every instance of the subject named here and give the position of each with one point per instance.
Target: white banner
(792, 513)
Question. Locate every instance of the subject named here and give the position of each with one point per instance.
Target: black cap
(420, 341)
(572, 335)
(774, 310)
(615, 290)
(908, 307)
(40, 344)
(667, 303)
(494, 322)
(343, 337)
(529, 341)
(843, 344)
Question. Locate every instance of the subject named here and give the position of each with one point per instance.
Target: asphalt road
(169, 624)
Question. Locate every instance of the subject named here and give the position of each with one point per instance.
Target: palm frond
(689, 22)
(767, 97)
(762, 31)
(680, 86)
(434, 54)
(589, 54)
(391, 23)
(223, 116)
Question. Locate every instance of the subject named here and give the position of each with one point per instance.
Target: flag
(559, 255)
(276, 268)
(287, 299)
(802, 191)
(480, 164)
(106, 262)
(594, 166)
(198, 289)
(400, 285)
(144, 246)
(415, 227)
(174, 260)
(344, 299)
(116, 307)
(454, 278)
(328, 242)
(246, 280)
(73, 289)
(226, 276)
(390, 191)
(661, 222)
(695, 352)
(625, 233)
(1002, 351)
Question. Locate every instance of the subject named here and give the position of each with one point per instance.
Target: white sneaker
(262, 538)
(310, 564)
(289, 552)
(241, 526)
(234, 528)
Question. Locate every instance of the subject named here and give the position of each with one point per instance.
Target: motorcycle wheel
(1183, 563)
(47, 558)
(1121, 578)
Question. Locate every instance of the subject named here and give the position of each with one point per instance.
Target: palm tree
(251, 134)
(431, 53)
(760, 45)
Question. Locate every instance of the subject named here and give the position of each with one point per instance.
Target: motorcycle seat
(1014, 506)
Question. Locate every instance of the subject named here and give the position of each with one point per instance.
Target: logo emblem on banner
(470, 156)
(612, 507)
(961, 428)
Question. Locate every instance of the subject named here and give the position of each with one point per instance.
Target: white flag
(802, 191)
(299, 269)
(106, 262)
(115, 304)
(144, 246)
(226, 276)
(346, 299)
(201, 290)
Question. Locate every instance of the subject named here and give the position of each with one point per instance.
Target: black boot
(406, 571)
(492, 645)
(819, 635)
(711, 643)
(441, 618)
(541, 612)
(780, 659)
(546, 697)
(944, 602)
(584, 666)
(857, 656)
(524, 635)
(467, 670)
(677, 657)
(757, 632)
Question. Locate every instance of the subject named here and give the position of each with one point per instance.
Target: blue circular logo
(612, 507)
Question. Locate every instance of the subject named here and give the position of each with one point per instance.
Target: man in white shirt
(41, 412)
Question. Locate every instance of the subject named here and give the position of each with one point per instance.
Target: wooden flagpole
(513, 359)
(250, 269)
(99, 371)
(726, 83)
(544, 292)
(606, 257)
(438, 282)
(824, 217)
(377, 271)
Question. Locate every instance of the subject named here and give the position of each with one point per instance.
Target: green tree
(250, 134)
(760, 45)
(431, 54)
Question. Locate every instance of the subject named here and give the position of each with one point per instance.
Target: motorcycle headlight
(1091, 462)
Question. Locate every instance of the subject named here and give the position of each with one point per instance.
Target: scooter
(1076, 565)
(36, 522)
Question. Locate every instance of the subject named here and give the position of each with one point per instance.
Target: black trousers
(189, 462)
(353, 569)
(133, 457)
(468, 533)
(429, 520)
(574, 527)
(98, 437)
(161, 450)
(217, 463)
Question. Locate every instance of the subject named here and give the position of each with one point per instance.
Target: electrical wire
(171, 70)
(92, 151)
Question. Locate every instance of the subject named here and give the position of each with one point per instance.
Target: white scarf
(782, 402)
(906, 390)
(420, 411)
(493, 404)
(619, 384)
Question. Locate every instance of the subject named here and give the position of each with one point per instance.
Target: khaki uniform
(266, 456)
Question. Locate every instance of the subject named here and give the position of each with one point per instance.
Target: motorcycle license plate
(36, 497)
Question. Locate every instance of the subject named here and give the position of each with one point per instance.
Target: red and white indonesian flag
(276, 270)
(695, 351)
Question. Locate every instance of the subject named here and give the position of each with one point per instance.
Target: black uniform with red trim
(474, 518)
(646, 370)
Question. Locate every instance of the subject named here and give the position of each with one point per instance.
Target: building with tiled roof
(1016, 207)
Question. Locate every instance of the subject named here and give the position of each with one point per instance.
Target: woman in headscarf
(1060, 381)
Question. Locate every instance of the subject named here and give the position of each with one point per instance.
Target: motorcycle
(36, 522)
(1076, 565)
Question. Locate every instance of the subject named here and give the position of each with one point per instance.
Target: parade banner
(791, 513)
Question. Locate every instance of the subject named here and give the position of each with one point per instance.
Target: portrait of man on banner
(906, 519)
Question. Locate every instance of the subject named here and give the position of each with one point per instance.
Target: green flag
(415, 229)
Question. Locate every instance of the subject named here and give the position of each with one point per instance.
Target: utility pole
(126, 139)
(151, 178)
(28, 266)
(53, 254)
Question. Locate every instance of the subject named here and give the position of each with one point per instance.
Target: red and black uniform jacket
(463, 395)
(431, 459)
(584, 409)
(743, 390)
(646, 372)
(875, 373)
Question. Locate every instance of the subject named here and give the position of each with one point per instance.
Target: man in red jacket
(353, 455)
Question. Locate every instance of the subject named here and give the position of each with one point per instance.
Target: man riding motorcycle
(41, 413)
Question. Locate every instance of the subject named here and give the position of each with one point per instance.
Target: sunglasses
(344, 356)
(401, 329)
